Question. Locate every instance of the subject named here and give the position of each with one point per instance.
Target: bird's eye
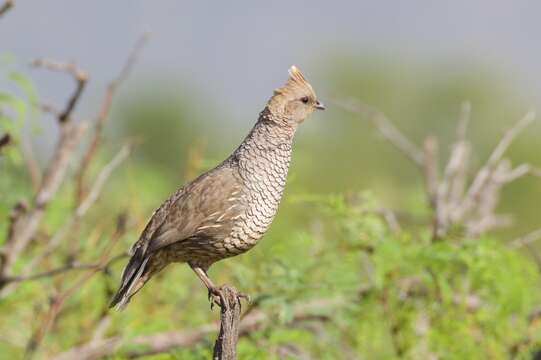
(305, 99)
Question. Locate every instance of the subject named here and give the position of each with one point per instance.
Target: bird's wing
(203, 207)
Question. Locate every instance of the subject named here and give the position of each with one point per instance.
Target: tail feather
(131, 280)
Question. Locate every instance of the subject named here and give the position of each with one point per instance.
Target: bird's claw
(244, 296)
(216, 296)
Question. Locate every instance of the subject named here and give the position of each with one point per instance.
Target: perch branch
(225, 347)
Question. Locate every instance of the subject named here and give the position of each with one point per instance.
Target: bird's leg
(214, 292)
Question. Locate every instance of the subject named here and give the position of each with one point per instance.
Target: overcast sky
(236, 52)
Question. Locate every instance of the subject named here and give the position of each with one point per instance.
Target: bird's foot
(216, 296)
(244, 296)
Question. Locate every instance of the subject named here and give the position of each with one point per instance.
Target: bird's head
(295, 100)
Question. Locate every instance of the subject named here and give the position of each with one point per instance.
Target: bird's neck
(271, 133)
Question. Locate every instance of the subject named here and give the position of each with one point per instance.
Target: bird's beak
(320, 106)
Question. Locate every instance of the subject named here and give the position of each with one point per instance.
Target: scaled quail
(225, 211)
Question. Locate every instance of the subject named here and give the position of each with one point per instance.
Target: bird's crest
(295, 83)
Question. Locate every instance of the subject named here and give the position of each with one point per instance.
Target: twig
(63, 269)
(518, 172)
(8, 4)
(436, 189)
(391, 220)
(486, 171)
(455, 175)
(31, 164)
(386, 128)
(103, 115)
(78, 75)
(527, 239)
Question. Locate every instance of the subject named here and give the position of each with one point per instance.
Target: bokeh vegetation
(332, 277)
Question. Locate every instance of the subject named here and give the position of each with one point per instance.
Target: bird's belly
(204, 251)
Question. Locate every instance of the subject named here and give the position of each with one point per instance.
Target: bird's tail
(133, 279)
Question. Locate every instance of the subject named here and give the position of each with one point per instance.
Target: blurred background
(197, 88)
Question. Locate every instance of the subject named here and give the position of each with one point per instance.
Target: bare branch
(518, 172)
(508, 138)
(391, 219)
(8, 4)
(454, 178)
(434, 189)
(79, 76)
(63, 269)
(527, 239)
(81, 210)
(70, 136)
(486, 171)
(386, 128)
(103, 116)
(31, 164)
(430, 167)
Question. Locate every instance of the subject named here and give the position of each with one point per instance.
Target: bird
(225, 211)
